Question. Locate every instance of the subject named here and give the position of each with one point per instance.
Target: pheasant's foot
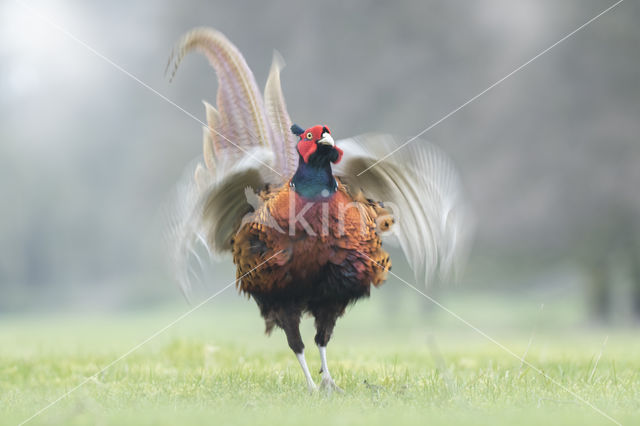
(329, 385)
(312, 388)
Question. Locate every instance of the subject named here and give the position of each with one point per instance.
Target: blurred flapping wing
(421, 187)
(208, 210)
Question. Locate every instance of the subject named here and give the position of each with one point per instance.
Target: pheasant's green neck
(314, 180)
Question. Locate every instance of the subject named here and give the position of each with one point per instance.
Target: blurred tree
(609, 255)
(635, 273)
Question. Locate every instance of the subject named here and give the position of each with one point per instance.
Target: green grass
(216, 367)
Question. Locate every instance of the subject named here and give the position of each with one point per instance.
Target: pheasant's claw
(329, 385)
(312, 388)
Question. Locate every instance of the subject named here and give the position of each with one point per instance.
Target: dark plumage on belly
(334, 282)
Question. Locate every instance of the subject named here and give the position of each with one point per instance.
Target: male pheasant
(303, 224)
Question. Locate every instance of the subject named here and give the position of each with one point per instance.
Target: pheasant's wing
(421, 187)
(224, 205)
(284, 140)
(208, 210)
(242, 120)
(182, 227)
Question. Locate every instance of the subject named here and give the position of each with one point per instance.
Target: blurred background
(550, 158)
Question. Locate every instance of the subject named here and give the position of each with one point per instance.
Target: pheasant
(303, 224)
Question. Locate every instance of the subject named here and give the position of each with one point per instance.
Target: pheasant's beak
(327, 139)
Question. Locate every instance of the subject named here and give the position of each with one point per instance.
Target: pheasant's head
(316, 145)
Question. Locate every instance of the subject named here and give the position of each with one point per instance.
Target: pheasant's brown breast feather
(342, 235)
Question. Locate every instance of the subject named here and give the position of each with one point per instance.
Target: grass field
(397, 366)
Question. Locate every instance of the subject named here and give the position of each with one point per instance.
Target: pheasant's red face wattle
(339, 155)
(314, 136)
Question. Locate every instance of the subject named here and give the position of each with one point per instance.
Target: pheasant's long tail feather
(239, 123)
(276, 109)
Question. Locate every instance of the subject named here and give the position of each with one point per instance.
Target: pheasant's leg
(289, 321)
(303, 363)
(327, 381)
(326, 317)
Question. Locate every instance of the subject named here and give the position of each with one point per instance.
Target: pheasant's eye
(309, 135)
